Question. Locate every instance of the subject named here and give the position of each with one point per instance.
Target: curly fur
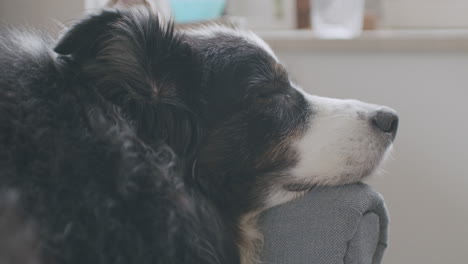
(99, 153)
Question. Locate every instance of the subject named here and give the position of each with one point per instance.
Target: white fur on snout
(340, 146)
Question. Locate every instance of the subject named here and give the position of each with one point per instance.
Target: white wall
(40, 13)
(425, 13)
(426, 187)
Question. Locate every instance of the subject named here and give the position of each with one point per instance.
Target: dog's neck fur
(251, 240)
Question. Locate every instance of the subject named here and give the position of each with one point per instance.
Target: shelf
(450, 40)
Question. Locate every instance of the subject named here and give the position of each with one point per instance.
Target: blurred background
(412, 56)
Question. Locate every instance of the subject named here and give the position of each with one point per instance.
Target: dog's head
(268, 138)
(221, 94)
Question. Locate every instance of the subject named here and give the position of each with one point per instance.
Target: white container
(337, 19)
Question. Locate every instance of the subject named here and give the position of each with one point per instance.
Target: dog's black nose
(386, 121)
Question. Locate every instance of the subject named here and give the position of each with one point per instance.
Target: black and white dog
(131, 142)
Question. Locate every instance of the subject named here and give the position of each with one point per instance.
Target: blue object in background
(196, 10)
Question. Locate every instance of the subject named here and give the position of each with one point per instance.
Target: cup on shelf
(337, 19)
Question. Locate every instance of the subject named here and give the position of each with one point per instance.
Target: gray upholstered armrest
(330, 225)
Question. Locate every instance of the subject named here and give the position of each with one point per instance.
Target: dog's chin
(339, 179)
(355, 173)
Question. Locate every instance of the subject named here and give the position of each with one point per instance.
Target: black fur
(136, 143)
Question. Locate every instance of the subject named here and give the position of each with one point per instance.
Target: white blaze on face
(340, 145)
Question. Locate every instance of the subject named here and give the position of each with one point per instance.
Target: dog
(129, 141)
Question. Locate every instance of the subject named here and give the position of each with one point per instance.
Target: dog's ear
(82, 36)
